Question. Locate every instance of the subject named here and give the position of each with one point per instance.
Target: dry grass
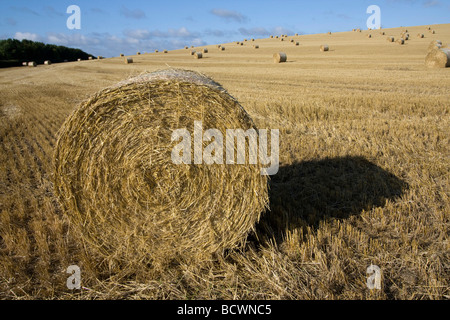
(364, 177)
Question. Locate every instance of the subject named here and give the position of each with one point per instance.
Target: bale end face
(161, 209)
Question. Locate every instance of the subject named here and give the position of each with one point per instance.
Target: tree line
(13, 52)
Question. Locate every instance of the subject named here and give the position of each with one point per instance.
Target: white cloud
(27, 35)
(230, 15)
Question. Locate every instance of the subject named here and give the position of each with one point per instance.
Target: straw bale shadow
(305, 193)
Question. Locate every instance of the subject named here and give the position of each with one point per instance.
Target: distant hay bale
(281, 39)
(297, 43)
(253, 39)
(138, 53)
(433, 32)
(420, 35)
(122, 55)
(369, 36)
(390, 39)
(165, 51)
(128, 60)
(192, 47)
(24, 63)
(329, 32)
(47, 62)
(186, 47)
(222, 48)
(296, 34)
(271, 37)
(255, 46)
(90, 58)
(383, 33)
(401, 41)
(156, 51)
(32, 64)
(219, 45)
(192, 52)
(121, 191)
(99, 58)
(245, 40)
(238, 42)
(429, 28)
(242, 43)
(198, 55)
(78, 59)
(435, 44)
(358, 30)
(279, 57)
(438, 58)
(205, 50)
(324, 48)
(292, 40)
(353, 30)
(276, 37)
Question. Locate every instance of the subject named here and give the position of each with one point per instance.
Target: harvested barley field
(364, 175)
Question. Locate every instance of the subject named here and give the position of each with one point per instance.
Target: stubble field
(364, 175)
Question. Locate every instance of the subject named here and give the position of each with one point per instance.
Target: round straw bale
(390, 39)
(353, 29)
(122, 55)
(435, 44)
(281, 39)
(186, 47)
(292, 40)
(420, 35)
(128, 60)
(296, 34)
(205, 50)
(238, 42)
(369, 36)
(47, 62)
(271, 37)
(433, 32)
(383, 33)
(438, 58)
(329, 32)
(276, 37)
(401, 41)
(253, 39)
(255, 46)
(242, 43)
(192, 52)
(32, 64)
(90, 58)
(198, 55)
(324, 47)
(165, 51)
(279, 57)
(297, 43)
(138, 53)
(125, 197)
(219, 45)
(222, 48)
(78, 59)
(24, 63)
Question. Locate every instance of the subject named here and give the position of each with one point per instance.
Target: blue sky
(112, 27)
